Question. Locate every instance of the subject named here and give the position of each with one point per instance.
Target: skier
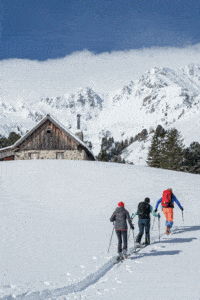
(167, 201)
(143, 212)
(120, 217)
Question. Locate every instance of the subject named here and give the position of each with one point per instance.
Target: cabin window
(49, 133)
(60, 155)
(33, 155)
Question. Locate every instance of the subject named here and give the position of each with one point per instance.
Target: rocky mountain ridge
(162, 96)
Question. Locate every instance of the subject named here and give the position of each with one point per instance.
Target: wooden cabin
(48, 140)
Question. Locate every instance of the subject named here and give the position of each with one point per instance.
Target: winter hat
(147, 200)
(121, 204)
(170, 189)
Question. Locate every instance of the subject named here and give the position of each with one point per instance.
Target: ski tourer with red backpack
(167, 202)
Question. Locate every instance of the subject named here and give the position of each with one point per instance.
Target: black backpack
(143, 210)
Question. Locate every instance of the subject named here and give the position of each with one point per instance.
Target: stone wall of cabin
(51, 154)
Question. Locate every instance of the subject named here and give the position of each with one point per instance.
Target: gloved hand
(182, 208)
(155, 210)
(132, 227)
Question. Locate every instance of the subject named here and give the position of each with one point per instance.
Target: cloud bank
(103, 72)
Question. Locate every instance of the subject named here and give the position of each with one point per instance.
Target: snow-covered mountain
(162, 96)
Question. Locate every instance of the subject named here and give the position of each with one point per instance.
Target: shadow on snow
(187, 228)
(156, 253)
(178, 240)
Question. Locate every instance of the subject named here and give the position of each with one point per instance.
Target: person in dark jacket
(143, 212)
(120, 217)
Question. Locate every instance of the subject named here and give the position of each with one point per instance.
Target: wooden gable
(48, 137)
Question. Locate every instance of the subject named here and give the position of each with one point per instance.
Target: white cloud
(102, 72)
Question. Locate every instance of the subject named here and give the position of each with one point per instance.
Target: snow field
(55, 232)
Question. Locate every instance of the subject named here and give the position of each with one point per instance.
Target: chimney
(78, 121)
(79, 133)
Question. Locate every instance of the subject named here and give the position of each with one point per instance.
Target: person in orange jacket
(167, 207)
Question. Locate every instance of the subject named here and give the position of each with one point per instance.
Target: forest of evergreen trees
(111, 151)
(168, 152)
(12, 138)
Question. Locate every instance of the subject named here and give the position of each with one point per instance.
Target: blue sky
(51, 47)
(48, 29)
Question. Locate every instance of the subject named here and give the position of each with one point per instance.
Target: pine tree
(172, 151)
(154, 158)
(192, 158)
(13, 137)
(3, 142)
(103, 156)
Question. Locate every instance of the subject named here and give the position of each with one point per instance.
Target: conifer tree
(3, 142)
(192, 158)
(172, 151)
(154, 158)
(12, 138)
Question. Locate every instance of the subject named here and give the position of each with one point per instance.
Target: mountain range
(162, 96)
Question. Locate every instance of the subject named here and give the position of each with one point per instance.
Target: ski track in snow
(81, 285)
(73, 288)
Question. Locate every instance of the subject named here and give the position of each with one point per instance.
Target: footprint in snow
(138, 262)
(82, 266)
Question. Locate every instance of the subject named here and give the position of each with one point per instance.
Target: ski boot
(120, 257)
(125, 253)
(168, 230)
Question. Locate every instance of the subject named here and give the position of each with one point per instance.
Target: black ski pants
(144, 224)
(121, 234)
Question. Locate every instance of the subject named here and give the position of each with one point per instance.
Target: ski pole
(111, 238)
(159, 226)
(182, 217)
(133, 239)
(153, 223)
(128, 234)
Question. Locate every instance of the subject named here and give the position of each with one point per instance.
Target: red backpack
(166, 198)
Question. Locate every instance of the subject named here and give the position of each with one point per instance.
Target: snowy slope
(162, 96)
(55, 231)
